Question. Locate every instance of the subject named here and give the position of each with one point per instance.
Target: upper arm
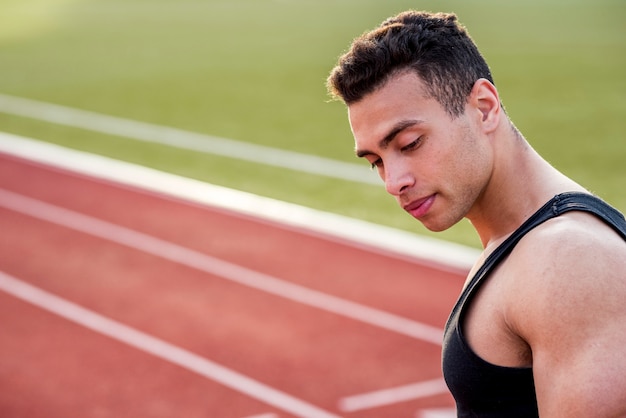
(572, 314)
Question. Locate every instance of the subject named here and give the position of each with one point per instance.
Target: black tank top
(482, 389)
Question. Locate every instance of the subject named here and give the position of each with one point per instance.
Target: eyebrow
(391, 135)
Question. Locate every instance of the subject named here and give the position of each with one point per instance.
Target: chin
(434, 227)
(438, 226)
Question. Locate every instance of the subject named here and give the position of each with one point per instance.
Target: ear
(484, 98)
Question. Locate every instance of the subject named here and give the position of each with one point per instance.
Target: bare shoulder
(567, 302)
(575, 244)
(570, 262)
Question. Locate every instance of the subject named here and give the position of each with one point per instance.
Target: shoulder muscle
(567, 303)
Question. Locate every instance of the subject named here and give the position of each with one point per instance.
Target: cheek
(476, 163)
(466, 162)
(452, 161)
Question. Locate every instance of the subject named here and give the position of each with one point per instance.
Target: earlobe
(485, 97)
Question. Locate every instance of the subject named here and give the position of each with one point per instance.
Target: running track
(117, 301)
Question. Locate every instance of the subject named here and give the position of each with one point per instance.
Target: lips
(420, 207)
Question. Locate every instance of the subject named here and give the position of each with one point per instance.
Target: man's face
(434, 165)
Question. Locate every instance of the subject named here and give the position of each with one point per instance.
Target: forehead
(402, 97)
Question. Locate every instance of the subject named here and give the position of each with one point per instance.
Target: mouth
(418, 208)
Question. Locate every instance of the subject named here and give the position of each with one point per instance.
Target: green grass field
(254, 70)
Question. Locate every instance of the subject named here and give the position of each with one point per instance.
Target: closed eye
(412, 145)
(376, 163)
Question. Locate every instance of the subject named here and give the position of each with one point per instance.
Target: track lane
(74, 372)
(299, 355)
(250, 242)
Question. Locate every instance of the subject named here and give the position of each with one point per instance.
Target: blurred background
(254, 71)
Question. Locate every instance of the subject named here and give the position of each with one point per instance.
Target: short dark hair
(434, 45)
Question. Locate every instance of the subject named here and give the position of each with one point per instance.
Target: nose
(398, 179)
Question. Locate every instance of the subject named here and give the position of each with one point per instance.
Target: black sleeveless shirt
(482, 389)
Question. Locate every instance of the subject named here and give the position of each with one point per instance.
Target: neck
(520, 184)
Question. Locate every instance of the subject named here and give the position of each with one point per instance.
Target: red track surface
(52, 367)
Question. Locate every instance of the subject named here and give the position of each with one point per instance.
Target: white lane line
(179, 138)
(159, 348)
(270, 415)
(427, 251)
(217, 267)
(393, 395)
(437, 413)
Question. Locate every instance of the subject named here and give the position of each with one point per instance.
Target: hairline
(429, 90)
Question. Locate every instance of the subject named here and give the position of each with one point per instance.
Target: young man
(540, 326)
